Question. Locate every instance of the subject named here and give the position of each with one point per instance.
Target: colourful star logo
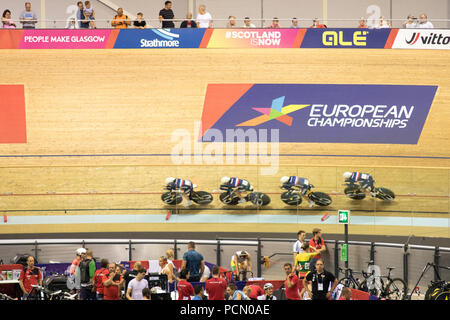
(276, 111)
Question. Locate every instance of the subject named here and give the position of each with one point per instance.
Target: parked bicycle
(438, 289)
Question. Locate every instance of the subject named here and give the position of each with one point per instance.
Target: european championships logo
(275, 112)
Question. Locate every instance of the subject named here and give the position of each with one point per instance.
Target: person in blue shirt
(365, 180)
(298, 184)
(238, 186)
(235, 294)
(185, 187)
(199, 293)
(194, 262)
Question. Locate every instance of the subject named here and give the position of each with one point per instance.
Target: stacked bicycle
(389, 289)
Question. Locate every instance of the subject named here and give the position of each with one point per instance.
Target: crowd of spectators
(305, 279)
(86, 19)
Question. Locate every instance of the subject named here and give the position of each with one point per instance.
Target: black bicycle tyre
(345, 281)
(374, 292)
(443, 295)
(393, 286)
(232, 202)
(354, 193)
(433, 290)
(177, 200)
(385, 194)
(203, 197)
(320, 198)
(255, 196)
(293, 200)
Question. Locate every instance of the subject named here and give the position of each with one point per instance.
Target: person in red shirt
(185, 289)
(30, 276)
(253, 291)
(216, 286)
(362, 23)
(98, 278)
(318, 243)
(346, 294)
(316, 24)
(291, 284)
(112, 283)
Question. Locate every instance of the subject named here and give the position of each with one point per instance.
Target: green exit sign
(344, 216)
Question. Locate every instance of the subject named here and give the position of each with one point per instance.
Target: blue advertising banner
(159, 38)
(319, 113)
(345, 38)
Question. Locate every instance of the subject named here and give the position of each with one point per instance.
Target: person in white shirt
(135, 287)
(248, 23)
(410, 23)
(424, 23)
(384, 23)
(206, 274)
(297, 248)
(204, 19)
(231, 22)
(268, 293)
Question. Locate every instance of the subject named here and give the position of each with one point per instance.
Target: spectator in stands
(98, 278)
(424, 23)
(167, 13)
(139, 23)
(234, 293)
(253, 291)
(131, 274)
(72, 24)
(318, 243)
(165, 269)
(410, 22)
(112, 283)
(248, 23)
(135, 287)
(346, 294)
(194, 262)
(241, 264)
(384, 23)
(146, 294)
(303, 260)
(7, 22)
(291, 284)
(170, 256)
(121, 20)
(231, 22)
(362, 23)
(297, 248)
(185, 289)
(275, 24)
(30, 276)
(204, 19)
(268, 293)
(216, 286)
(199, 293)
(87, 272)
(89, 14)
(294, 24)
(323, 282)
(83, 23)
(189, 23)
(205, 275)
(28, 18)
(316, 24)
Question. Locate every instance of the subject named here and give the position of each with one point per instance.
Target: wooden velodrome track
(99, 126)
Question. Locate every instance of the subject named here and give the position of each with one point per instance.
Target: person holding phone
(112, 283)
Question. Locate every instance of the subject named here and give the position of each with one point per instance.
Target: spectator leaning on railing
(204, 18)
(294, 24)
(384, 23)
(248, 23)
(231, 22)
(424, 23)
(89, 14)
(362, 23)
(83, 23)
(316, 24)
(120, 20)
(7, 22)
(167, 13)
(188, 23)
(275, 24)
(410, 22)
(139, 23)
(28, 18)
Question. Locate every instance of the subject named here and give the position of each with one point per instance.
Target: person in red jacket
(98, 278)
(316, 24)
(216, 286)
(185, 289)
(291, 284)
(30, 276)
(253, 291)
(112, 283)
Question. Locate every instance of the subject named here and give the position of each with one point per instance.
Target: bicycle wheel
(433, 290)
(348, 283)
(444, 295)
(396, 290)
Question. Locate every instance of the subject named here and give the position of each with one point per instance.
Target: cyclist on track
(365, 180)
(238, 186)
(298, 185)
(185, 187)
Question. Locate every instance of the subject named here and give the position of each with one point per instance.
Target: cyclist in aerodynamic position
(238, 186)
(182, 186)
(365, 181)
(298, 185)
